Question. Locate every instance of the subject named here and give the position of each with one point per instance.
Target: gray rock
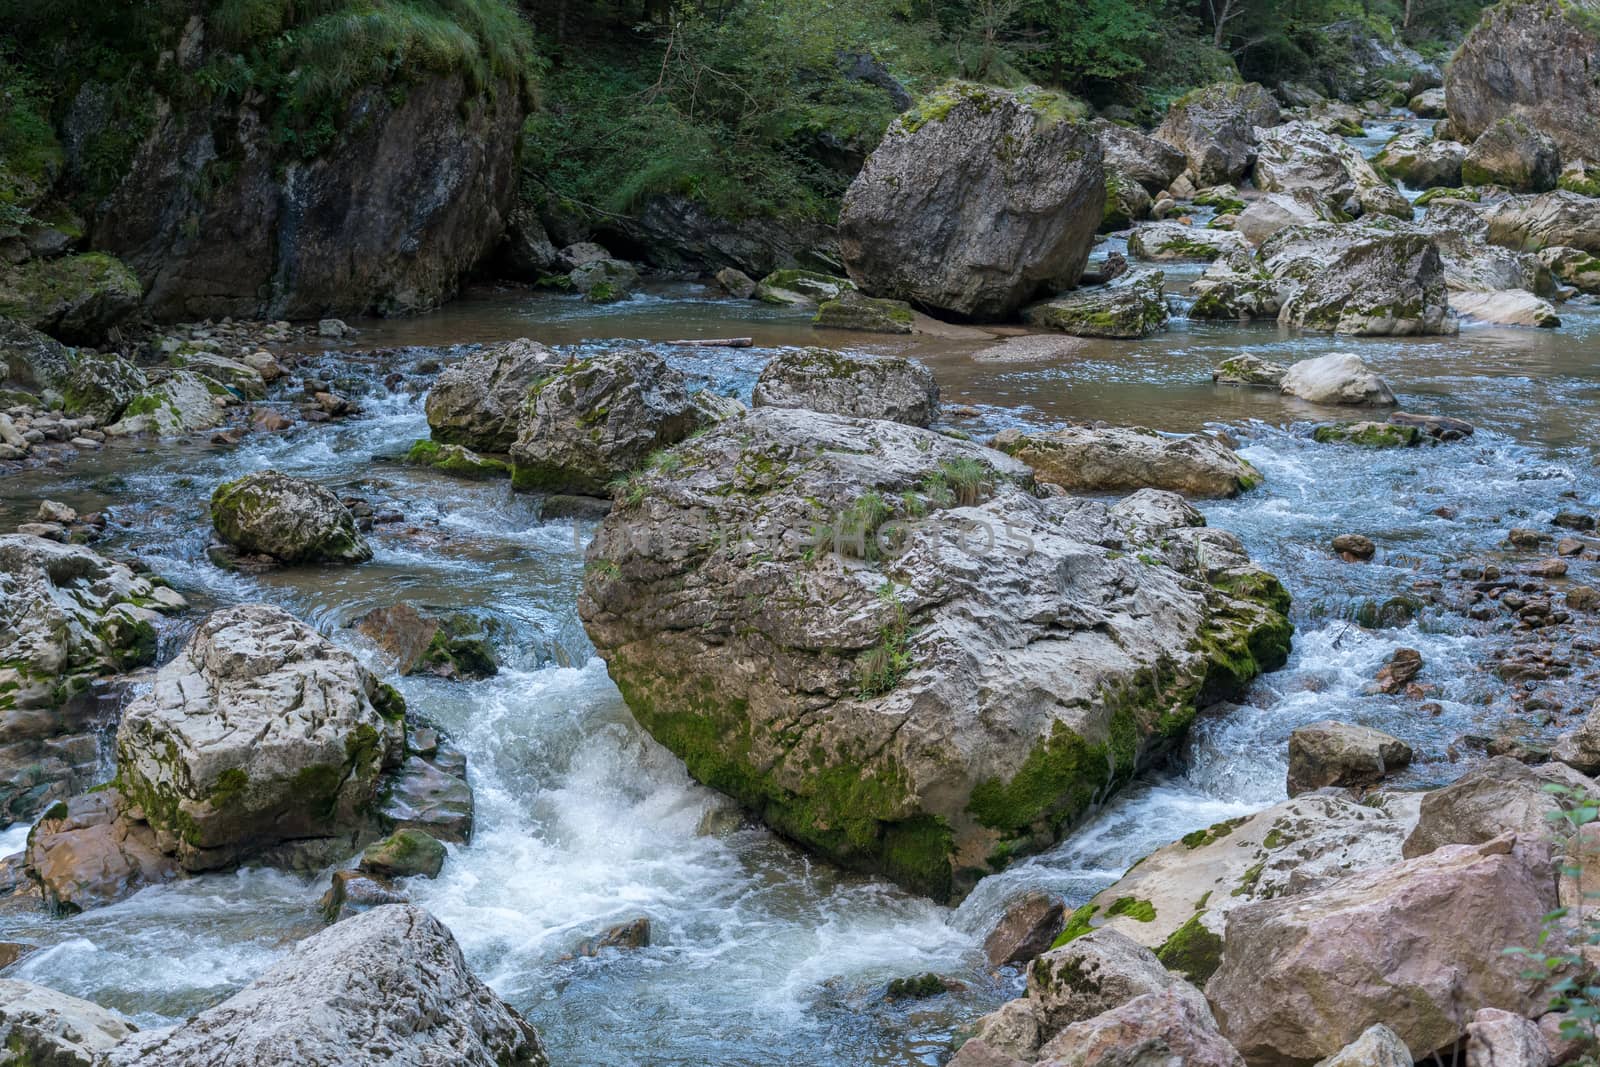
(1112, 459)
(431, 794)
(801, 288)
(1508, 307)
(1378, 1046)
(477, 403)
(405, 999)
(290, 519)
(1514, 154)
(594, 420)
(1343, 754)
(50, 1029)
(1580, 748)
(1573, 266)
(29, 359)
(1249, 370)
(736, 283)
(1428, 104)
(1235, 287)
(602, 281)
(1132, 307)
(1174, 241)
(260, 733)
(1298, 156)
(184, 402)
(1215, 128)
(974, 203)
(527, 249)
(1361, 279)
(841, 383)
(826, 549)
(77, 298)
(1499, 795)
(1337, 378)
(1268, 214)
(1423, 162)
(1532, 223)
(1093, 974)
(1151, 162)
(852, 311)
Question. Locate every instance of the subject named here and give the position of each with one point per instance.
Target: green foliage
(1558, 957)
(880, 668)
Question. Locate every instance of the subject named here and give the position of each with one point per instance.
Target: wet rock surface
(840, 383)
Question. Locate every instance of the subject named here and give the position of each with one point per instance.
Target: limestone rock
(260, 733)
(429, 792)
(852, 311)
(1094, 974)
(1028, 927)
(29, 359)
(1499, 795)
(1158, 1028)
(477, 402)
(1339, 753)
(351, 892)
(1215, 128)
(451, 646)
(405, 999)
(1133, 306)
(1428, 104)
(41, 1026)
(1087, 459)
(101, 385)
(1359, 279)
(184, 402)
(1508, 307)
(603, 281)
(1173, 241)
(1532, 223)
(290, 519)
(77, 298)
(1577, 268)
(1497, 1038)
(596, 419)
(895, 659)
(1423, 162)
(404, 854)
(801, 288)
(1149, 161)
(1249, 370)
(1532, 61)
(736, 283)
(975, 202)
(1514, 154)
(1268, 214)
(1580, 748)
(1298, 156)
(842, 383)
(1448, 915)
(1378, 1046)
(1338, 378)
(1236, 287)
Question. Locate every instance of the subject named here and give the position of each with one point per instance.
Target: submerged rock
(1337, 378)
(455, 646)
(975, 202)
(1215, 128)
(1088, 459)
(1449, 915)
(455, 459)
(1343, 754)
(260, 735)
(1134, 306)
(843, 383)
(821, 572)
(477, 403)
(404, 854)
(1368, 434)
(594, 420)
(405, 995)
(289, 519)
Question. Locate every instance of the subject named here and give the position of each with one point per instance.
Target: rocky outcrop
(1534, 61)
(593, 420)
(1149, 161)
(1303, 977)
(1364, 62)
(216, 219)
(1514, 154)
(912, 713)
(1531, 223)
(974, 203)
(68, 616)
(1580, 748)
(1423, 162)
(477, 403)
(1359, 279)
(840, 383)
(1342, 754)
(1215, 128)
(404, 995)
(1124, 459)
(261, 736)
(50, 1029)
(1298, 156)
(1338, 378)
(678, 233)
(288, 519)
(79, 299)
(1134, 306)
(29, 360)
(1573, 266)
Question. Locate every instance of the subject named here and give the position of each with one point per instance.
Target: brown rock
(353, 892)
(1174, 1026)
(1354, 548)
(635, 933)
(1403, 666)
(1497, 1038)
(1028, 928)
(1339, 753)
(1499, 795)
(93, 850)
(1548, 568)
(1583, 598)
(270, 420)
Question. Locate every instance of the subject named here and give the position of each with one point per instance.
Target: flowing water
(760, 955)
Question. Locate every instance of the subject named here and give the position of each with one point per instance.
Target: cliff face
(411, 196)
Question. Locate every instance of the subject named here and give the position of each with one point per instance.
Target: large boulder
(1298, 156)
(975, 202)
(1337, 378)
(1421, 161)
(1514, 154)
(181, 403)
(78, 299)
(1215, 127)
(847, 383)
(1134, 306)
(1268, 214)
(1174, 1026)
(39, 1026)
(1473, 265)
(1535, 222)
(1235, 286)
(477, 403)
(1330, 753)
(1151, 162)
(219, 215)
(30, 360)
(261, 735)
(1496, 796)
(68, 616)
(1378, 1046)
(386, 987)
(1175, 241)
(1535, 61)
(788, 605)
(1507, 307)
(1359, 279)
(1415, 946)
(1123, 459)
(594, 420)
(289, 519)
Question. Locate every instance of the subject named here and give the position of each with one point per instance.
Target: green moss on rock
(1192, 951)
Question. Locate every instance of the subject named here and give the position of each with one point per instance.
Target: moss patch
(1192, 951)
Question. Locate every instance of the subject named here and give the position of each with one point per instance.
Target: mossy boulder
(1514, 154)
(1368, 435)
(975, 202)
(1173, 241)
(1423, 162)
(1134, 306)
(1577, 268)
(852, 311)
(102, 385)
(1375, 279)
(808, 609)
(1215, 126)
(458, 645)
(801, 288)
(181, 403)
(848, 383)
(1249, 370)
(1126, 202)
(78, 299)
(478, 401)
(262, 740)
(404, 854)
(30, 360)
(455, 459)
(1123, 459)
(289, 519)
(605, 281)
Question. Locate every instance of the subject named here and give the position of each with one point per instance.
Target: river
(761, 956)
